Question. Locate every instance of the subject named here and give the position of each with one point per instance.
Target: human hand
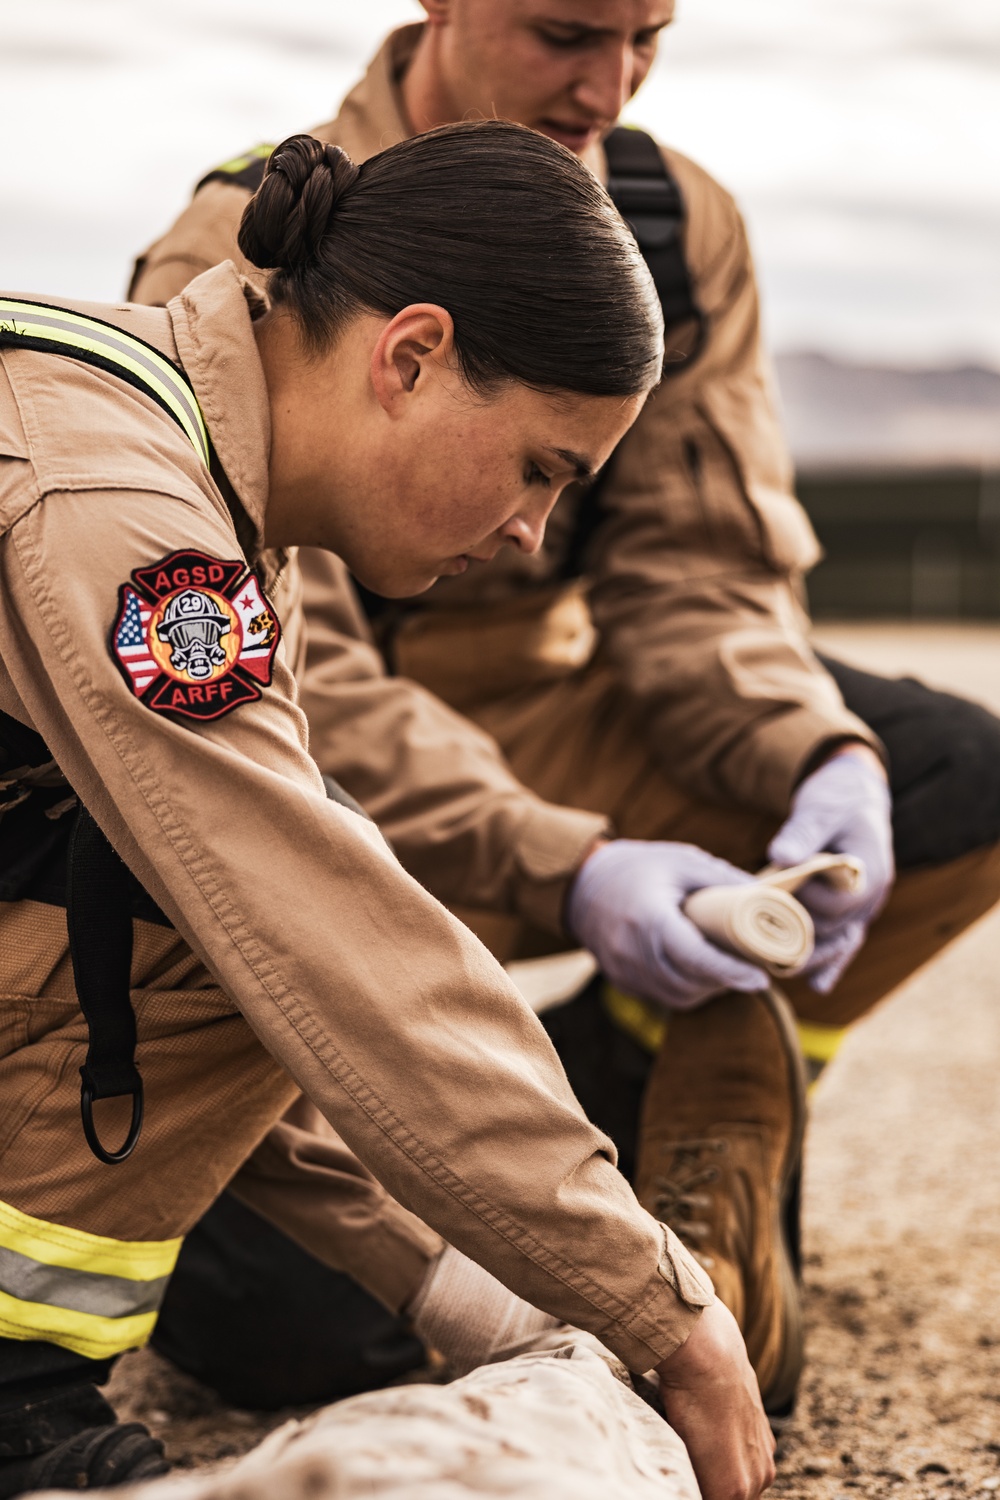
(712, 1400)
(625, 906)
(843, 808)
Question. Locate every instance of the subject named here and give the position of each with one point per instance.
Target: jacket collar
(212, 322)
(372, 117)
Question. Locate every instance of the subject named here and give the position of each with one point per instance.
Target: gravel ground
(902, 1215)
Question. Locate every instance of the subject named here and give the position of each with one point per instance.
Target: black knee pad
(266, 1325)
(944, 764)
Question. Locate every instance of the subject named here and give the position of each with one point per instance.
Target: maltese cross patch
(194, 636)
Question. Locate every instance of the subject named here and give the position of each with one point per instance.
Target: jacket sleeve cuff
(551, 845)
(662, 1320)
(783, 751)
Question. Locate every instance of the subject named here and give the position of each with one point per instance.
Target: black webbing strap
(53, 852)
(650, 202)
(99, 921)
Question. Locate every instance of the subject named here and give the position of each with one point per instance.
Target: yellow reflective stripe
(643, 1022)
(240, 163)
(820, 1043)
(84, 1333)
(76, 1250)
(648, 1026)
(81, 332)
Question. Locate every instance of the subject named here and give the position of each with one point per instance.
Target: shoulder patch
(194, 636)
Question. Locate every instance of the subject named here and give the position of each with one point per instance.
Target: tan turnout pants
(577, 740)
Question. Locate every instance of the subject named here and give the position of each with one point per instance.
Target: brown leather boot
(720, 1145)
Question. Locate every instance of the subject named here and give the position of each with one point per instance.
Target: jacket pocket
(742, 417)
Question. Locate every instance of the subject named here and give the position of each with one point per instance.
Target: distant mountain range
(840, 415)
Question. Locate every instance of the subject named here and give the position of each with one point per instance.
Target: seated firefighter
(180, 891)
(647, 667)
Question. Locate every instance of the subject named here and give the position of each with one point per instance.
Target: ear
(438, 11)
(418, 340)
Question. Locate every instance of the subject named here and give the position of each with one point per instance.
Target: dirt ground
(902, 1215)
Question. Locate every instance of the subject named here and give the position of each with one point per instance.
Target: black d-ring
(111, 1158)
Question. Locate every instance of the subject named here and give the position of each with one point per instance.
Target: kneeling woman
(458, 330)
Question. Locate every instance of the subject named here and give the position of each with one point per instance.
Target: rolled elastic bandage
(763, 921)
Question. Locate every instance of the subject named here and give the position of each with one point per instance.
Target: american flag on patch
(131, 642)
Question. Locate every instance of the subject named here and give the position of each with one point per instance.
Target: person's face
(563, 67)
(382, 453)
(464, 476)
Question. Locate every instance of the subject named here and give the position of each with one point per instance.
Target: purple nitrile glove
(843, 808)
(625, 906)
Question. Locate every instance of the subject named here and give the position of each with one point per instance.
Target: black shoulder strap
(245, 171)
(650, 202)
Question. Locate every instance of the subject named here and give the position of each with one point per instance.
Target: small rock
(816, 1466)
(934, 1468)
(990, 1485)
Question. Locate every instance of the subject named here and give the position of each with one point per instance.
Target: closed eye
(534, 475)
(584, 36)
(566, 40)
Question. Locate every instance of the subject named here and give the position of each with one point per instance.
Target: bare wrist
(860, 751)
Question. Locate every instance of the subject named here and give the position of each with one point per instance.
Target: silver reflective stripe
(117, 346)
(81, 1291)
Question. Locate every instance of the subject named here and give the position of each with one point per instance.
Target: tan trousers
(578, 741)
(86, 1249)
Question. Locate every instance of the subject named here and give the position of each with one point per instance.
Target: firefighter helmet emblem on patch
(194, 635)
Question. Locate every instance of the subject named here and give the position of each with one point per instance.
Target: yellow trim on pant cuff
(84, 1333)
(76, 1250)
(640, 1020)
(820, 1043)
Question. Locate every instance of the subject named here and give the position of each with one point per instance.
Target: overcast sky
(862, 138)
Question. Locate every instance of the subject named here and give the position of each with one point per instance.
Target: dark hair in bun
(498, 224)
(285, 222)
